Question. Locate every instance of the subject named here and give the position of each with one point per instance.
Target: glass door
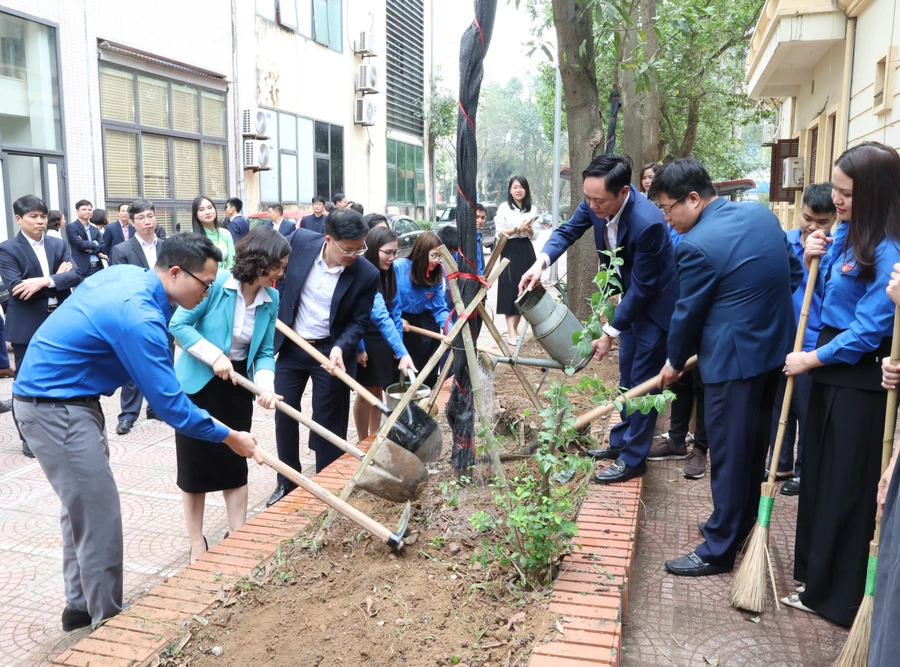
(41, 175)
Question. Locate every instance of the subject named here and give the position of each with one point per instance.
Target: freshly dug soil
(355, 603)
(352, 602)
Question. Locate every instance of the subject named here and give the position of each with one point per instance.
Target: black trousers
(796, 417)
(686, 388)
(19, 350)
(739, 414)
(330, 404)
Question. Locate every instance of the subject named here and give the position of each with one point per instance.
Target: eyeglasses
(388, 253)
(141, 217)
(352, 253)
(668, 209)
(207, 286)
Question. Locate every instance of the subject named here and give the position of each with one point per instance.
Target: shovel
(412, 429)
(393, 540)
(396, 473)
(641, 390)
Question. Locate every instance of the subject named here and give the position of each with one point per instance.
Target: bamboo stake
(445, 371)
(856, 649)
(411, 392)
(748, 589)
(472, 360)
(492, 328)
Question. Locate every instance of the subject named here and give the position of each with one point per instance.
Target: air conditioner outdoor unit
(769, 134)
(365, 112)
(365, 45)
(257, 155)
(367, 81)
(792, 173)
(255, 123)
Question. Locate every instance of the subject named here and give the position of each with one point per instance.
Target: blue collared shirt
(675, 236)
(112, 330)
(389, 323)
(860, 310)
(814, 323)
(414, 299)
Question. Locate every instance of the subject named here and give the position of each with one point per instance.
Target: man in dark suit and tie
(626, 222)
(38, 272)
(85, 240)
(316, 221)
(737, 274)
(234, 221)
(327, 298)
(139, 250)
(117, 232)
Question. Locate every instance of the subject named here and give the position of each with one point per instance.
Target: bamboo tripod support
(411, 392)
(472, 361)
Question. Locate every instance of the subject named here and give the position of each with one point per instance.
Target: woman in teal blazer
(231, 331)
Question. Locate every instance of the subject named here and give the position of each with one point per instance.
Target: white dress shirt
(41, 252)
(510, 218)
(241, 334)
(313, 321)
(149, 250)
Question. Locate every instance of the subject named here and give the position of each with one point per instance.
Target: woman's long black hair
(376, 239)
(526, 202)
(875, 171)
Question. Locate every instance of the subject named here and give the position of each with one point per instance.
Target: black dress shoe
(604, 453)
(26, 450)
(151, 414)
(74, 619)
(280, 492)
(123, 427)
(700, 526)
(791, 487)
(619, 472)
(693, 566)
(5, 406)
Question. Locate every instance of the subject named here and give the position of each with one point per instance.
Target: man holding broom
(737, 274)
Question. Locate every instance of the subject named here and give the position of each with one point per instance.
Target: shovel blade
(395, 474)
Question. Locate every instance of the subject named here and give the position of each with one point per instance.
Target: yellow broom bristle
(748, 590)
(856, 648)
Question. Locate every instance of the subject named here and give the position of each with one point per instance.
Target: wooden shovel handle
(295, 414)
(345, 508)
(641, 390)
(425, 332)
(345, 377)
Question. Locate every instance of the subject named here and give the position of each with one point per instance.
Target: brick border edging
(591, 592)
(134, 637)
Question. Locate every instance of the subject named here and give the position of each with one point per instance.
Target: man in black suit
(38, 272)
(139, 250)
(234, 221)
(279, 222)
(85, 240)
(327, 298)
(117, 232)
(316, 221)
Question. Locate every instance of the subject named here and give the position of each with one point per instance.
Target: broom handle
(789, 385)
(890, 418)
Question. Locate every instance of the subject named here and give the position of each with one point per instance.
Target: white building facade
(111, 101)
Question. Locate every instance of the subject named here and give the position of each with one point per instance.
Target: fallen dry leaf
(714, 661)
(515, 618)
(369, 602)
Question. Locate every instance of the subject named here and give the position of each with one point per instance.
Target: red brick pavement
(682, 620)
(156, 544)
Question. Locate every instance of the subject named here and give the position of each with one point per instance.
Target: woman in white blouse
(231, 331)
(515, 219)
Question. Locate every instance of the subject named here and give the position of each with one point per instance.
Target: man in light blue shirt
(111, 330)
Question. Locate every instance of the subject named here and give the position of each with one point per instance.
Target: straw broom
(748, 590)
(856, 648)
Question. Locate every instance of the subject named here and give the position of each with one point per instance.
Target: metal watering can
(553, 325)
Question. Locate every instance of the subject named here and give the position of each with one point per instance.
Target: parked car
(407, 231)
(488, 233)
